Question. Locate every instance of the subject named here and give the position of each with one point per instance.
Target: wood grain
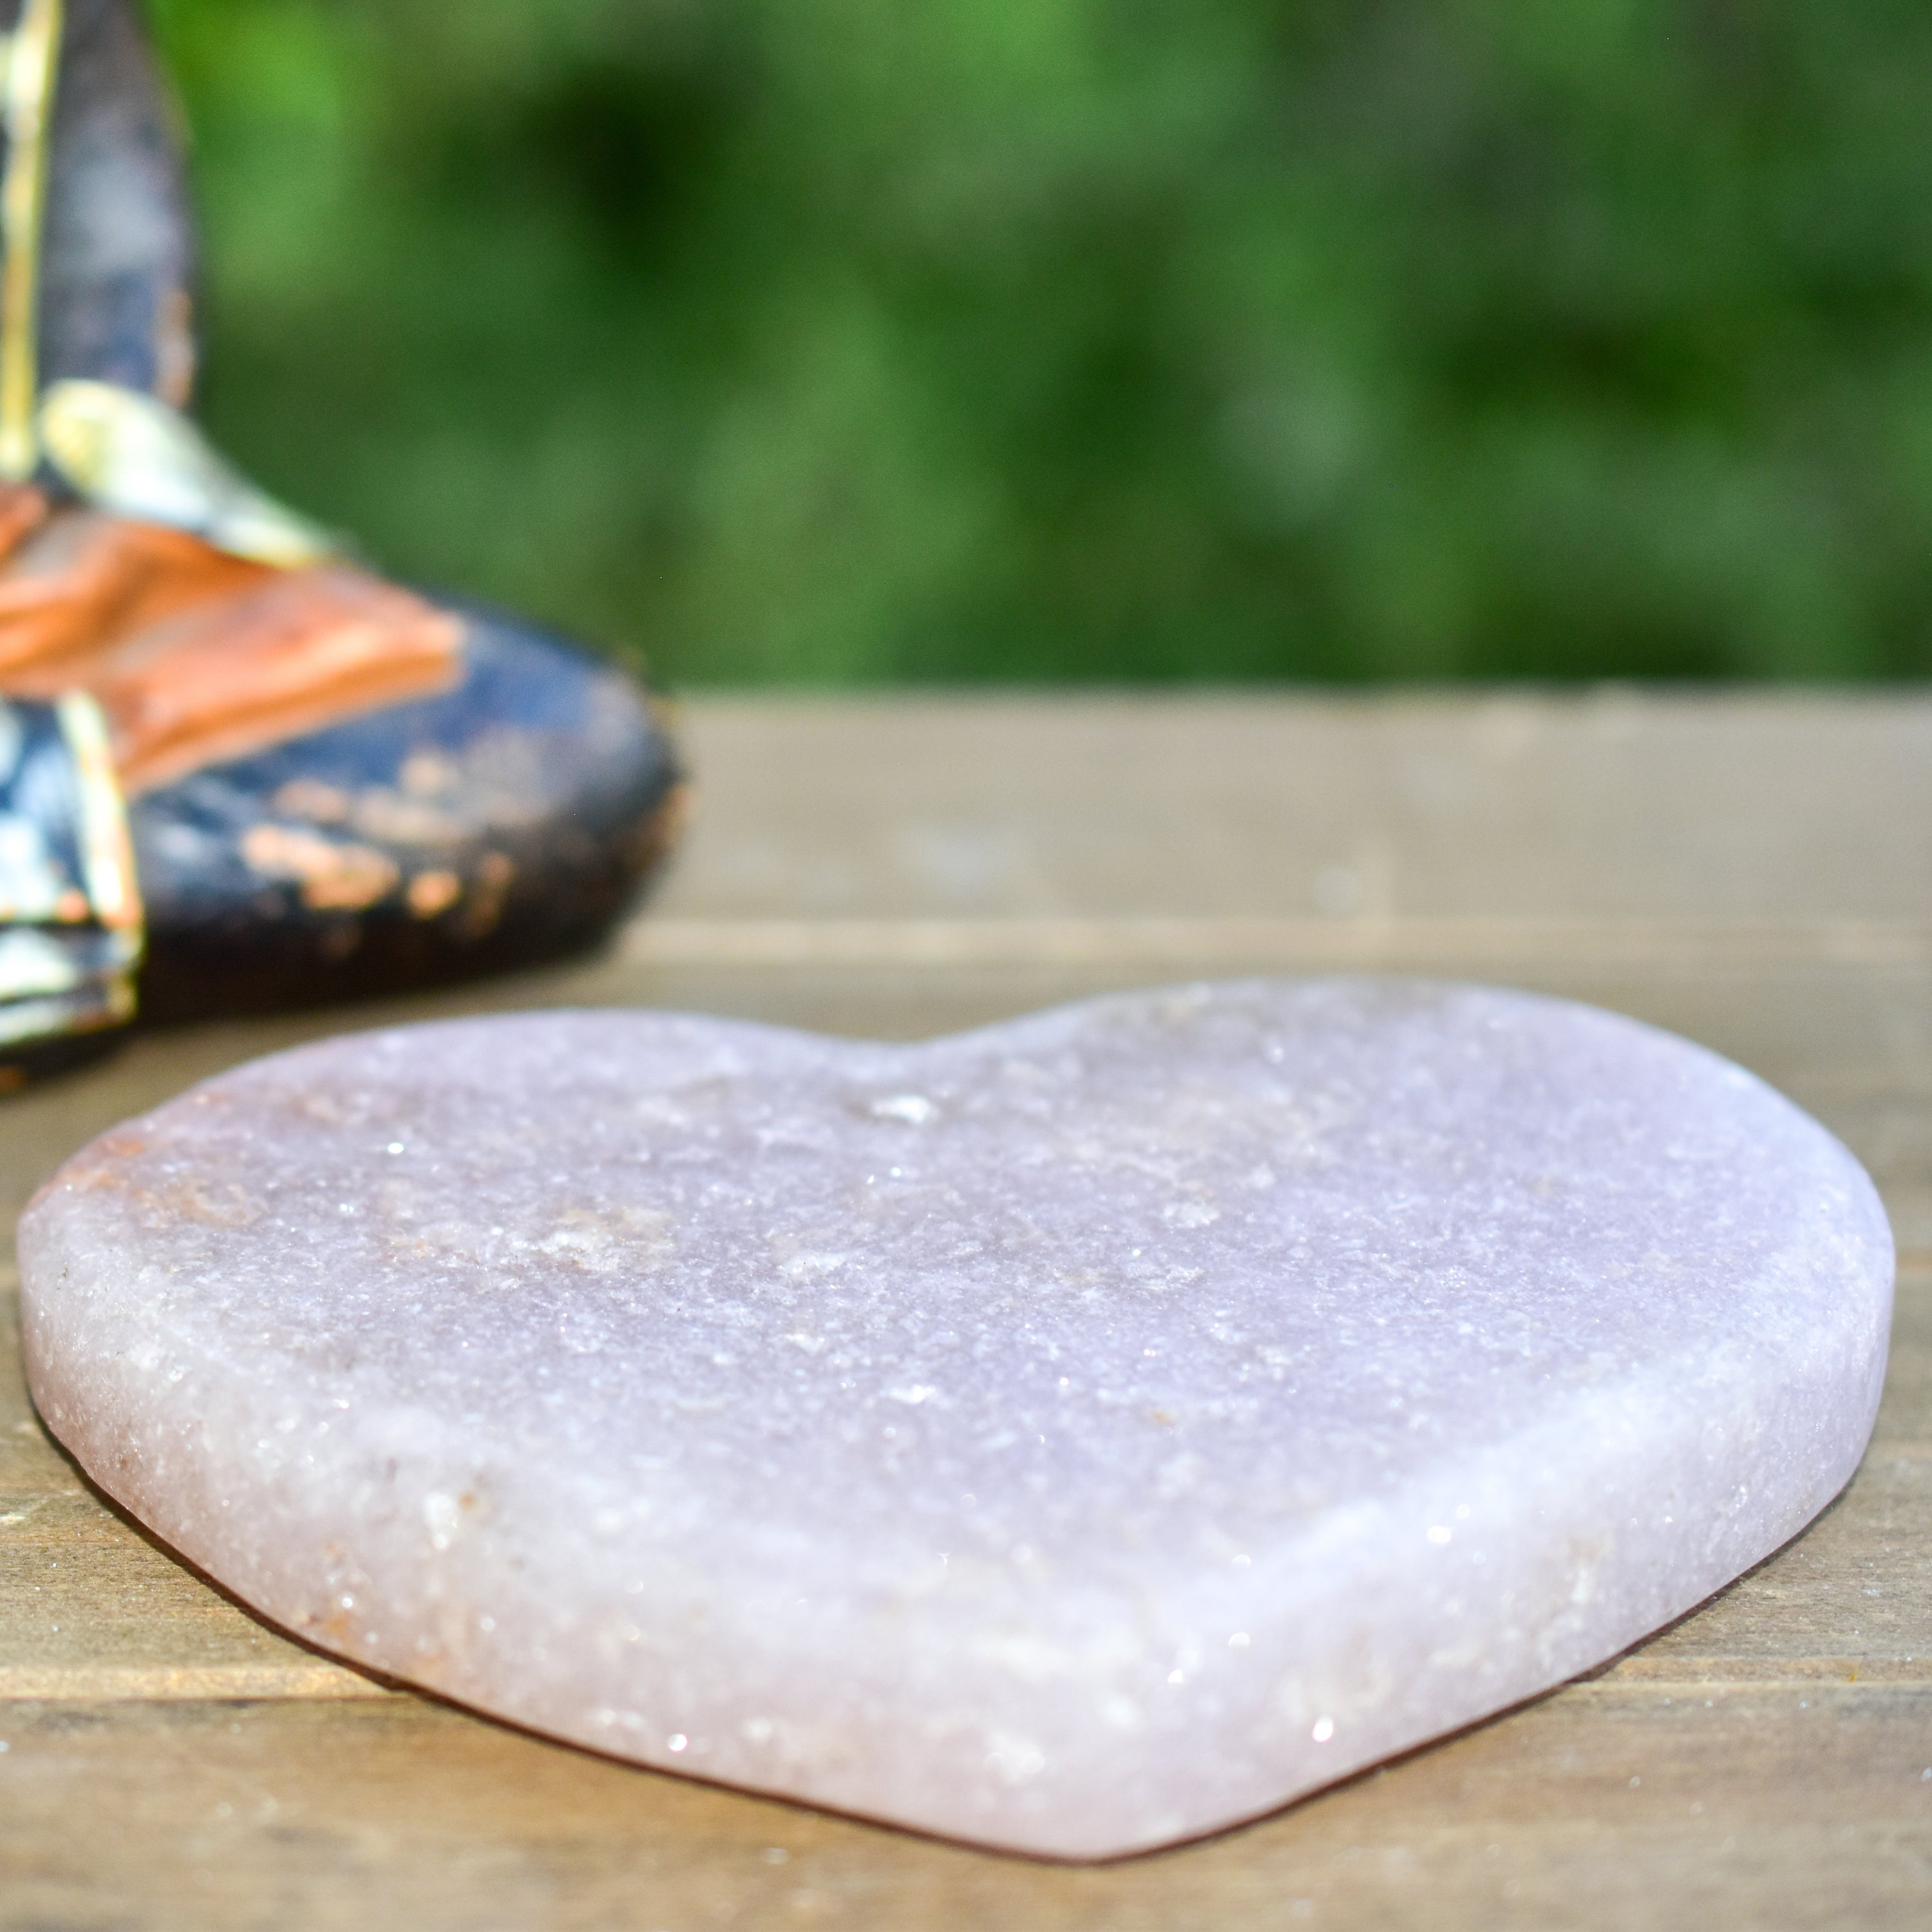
(1756, 873)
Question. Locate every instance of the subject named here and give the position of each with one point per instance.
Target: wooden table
(1754, 872)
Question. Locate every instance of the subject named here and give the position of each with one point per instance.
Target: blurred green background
(825, 341)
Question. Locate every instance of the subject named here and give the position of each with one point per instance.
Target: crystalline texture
(1072, 1435)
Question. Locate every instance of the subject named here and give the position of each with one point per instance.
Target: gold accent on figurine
(72, 930)
(107, 853)
(128, 454)
(32, 58)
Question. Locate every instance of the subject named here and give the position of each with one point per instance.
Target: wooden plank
(1777, 1807)
(1224, 945)
(1608, 805)
(903, 868)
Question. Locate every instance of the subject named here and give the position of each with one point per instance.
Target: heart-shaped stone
(1072, 1435)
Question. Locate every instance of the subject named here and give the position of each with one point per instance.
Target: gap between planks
(147, 1683)
(1194, 945)
(321, 1682)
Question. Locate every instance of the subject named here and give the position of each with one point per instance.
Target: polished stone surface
(1072, 1435)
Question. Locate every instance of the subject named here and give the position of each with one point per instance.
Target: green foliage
(830, 340)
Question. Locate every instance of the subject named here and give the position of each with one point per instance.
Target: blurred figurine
(234, 767)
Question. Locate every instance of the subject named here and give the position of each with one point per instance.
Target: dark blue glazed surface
(540, 788)
(118, 254)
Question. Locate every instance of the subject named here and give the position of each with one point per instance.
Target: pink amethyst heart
(1073, 1435)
